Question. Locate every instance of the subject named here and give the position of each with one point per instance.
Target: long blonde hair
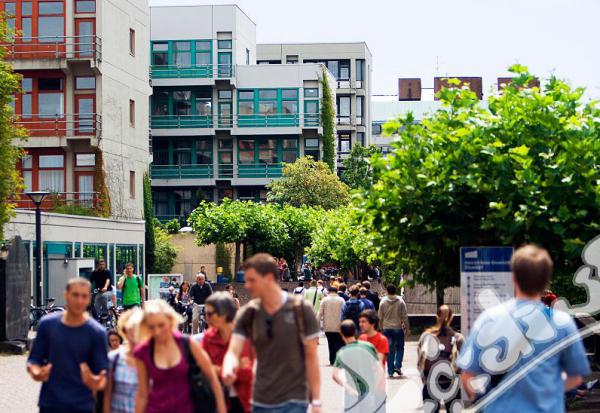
(444, 318)
(131, 322)
(158, 306)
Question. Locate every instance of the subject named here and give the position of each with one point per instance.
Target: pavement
(19, 394)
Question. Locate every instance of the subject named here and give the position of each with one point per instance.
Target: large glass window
(51, 174)
(85, 82)
(360, 102)
(182, 103)
(224, 44)
(203, 106)
(267, 151)
(183, 153)
(343, 106)
(344, 70)
(51, 21)
(289, 147)
(344, 144)
(160, 54)
(360, 68)
(26, 97)
(160, 103)
(50, 97)
(85, 6)
(312, 92)
(182, 55)
(203, 52)
(246, 151)
(204, 151)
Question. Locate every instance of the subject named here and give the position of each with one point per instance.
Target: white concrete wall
(124, 77)
(277, 76)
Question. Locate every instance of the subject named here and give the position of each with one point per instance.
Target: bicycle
(36, 313)
(108, 319)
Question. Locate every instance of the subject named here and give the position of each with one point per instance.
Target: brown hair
(263, 264)
(353, 291)
(444, 318)
(532, 268)
(80, 281)
(366, 284)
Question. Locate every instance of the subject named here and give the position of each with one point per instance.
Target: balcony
(55, 47)
(181, 171)
(192, 72)
(181, 121)
(269, 171)
(276, 120)
(69, 203)
(70, 126)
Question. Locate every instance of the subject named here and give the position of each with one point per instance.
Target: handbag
(202, 394)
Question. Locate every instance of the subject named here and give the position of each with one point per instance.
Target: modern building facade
(351, 65)
(221, 125)
(84, 102)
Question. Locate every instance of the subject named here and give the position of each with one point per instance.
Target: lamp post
(37, 198)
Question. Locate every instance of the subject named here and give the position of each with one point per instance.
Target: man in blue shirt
(507, 338)
(69, 355)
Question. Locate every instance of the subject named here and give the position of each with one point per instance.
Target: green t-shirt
(131, 290)
(352, 354)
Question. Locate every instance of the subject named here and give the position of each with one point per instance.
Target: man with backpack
(299, 290)
(353, 307)
(393, 320)
(132, 288)
(284, 331)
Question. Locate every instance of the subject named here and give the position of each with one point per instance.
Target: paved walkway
(19, 394)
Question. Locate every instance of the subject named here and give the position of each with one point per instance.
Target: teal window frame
(258, 169)
(308, 92)
(194, 70)
(197, 194)
(225, 44)
(311, 118)
(278, 119)
(224, 69)
(195, 169)
(195, 120)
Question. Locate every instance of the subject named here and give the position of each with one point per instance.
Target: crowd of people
(262, 357)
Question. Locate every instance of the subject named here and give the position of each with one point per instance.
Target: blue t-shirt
(506, 338)
(66, 347)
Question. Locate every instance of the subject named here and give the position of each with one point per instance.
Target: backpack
(352, 310)
(299, 290)
(448, 351)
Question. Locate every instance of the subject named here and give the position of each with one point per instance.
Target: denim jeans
(288, 407)
(396, 354)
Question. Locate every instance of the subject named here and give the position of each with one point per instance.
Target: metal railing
(311, 120)
(54, 47)
(218, 71)
(76, 203)
(71, 125)
(259, 170)
(199, 171)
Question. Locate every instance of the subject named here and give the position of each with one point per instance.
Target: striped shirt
(125, 383)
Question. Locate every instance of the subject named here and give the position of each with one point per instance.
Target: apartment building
(221, 125)
(84, 101)
(351, 66)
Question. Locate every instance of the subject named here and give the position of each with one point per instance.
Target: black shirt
(99, 278)
(200, 293)
(374, 299)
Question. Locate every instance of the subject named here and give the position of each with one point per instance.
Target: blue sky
(425, 38)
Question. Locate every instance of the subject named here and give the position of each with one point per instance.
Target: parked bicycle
(108, 316)
(36, 313)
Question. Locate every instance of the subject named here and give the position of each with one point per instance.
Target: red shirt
(380, 343)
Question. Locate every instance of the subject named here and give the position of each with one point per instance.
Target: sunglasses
(209, 313)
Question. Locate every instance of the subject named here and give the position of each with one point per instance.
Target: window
(182, 55)
(225, 94)
(50, 97)
(182, 152)
(289, 149)
(344, 144)
(311, 92)
(131, 112)
(132, 184)
(289, 94)
(26, 97)
(264, 94)
(376, 128)
(360, 138)
(85, 159)
(160, 54)
(203, 53)
(26, 22)
(182, 102)
(27, 171)
(203, 106)
(333, 67)
(246, 151)
(204, 151)
(360, 68)
(51, 7)
(51, 173)
(344, 70)
(247, 56)
(343, 106)
(85, 6)
(246, 94)
(246, 102)
(132, 42)
(359, 108)
(161, 203)
(85, 82)
(224, 64)
(224, 44)
(291, 59)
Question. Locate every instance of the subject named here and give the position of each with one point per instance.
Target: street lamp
(37, 198)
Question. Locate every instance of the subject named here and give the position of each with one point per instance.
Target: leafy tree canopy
(357, 172)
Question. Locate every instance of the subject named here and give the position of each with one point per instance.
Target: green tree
(328, 123)
(525, 169)
(357, 172)
(10, 181)
(308, 183)
(149, 223)
(165, 253)
(300, 226)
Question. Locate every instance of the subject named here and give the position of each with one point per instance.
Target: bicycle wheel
(35, 315)
(112, 319)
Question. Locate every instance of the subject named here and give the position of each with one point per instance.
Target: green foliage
(103, 202)
(223, 259)
(340, 238)
(10, 181)
(173, 226)
(165, 253)
(357, 172)
(328, 123)
(308, 183)
(74, 209)
(149, 224)
(526, 169)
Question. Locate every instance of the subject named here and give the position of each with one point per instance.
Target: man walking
(313, 296)
(284, 331)
(371, 295)
(363, 299)
(69, 355)
(393, 319)
(199, 292)
(368, 327)
(526, 330)
(132, 288)
(330, 313)
(102, 279)
(353, 307)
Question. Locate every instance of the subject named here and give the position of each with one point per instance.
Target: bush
(165, 254)
(173, 226)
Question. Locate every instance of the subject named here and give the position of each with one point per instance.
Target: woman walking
(439, 343)
(220, 312)
(121, 385)
(163, 365)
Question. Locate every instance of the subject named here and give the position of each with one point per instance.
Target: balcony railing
(312, 120)
(54, 47)
(192, 71)
(70, 203)
(181, 171)
(223, 171)
(71, 125)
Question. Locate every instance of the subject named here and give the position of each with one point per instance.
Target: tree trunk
(238, 263)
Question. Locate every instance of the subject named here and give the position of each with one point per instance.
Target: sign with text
(483, 268)
(158, 285)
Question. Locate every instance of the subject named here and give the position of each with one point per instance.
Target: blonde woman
(162, 365)
(121, 387)
(439, 343)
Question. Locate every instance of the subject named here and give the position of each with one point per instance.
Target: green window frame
(163, 100)
(269, 150)
(225, 44)
(312, 114)
(224, 64)
(197, 52)
(311, 92)
(268, 107)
